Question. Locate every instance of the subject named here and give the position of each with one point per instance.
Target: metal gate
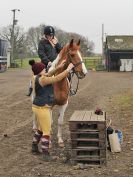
(3, 55)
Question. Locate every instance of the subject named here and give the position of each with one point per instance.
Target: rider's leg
(30, 89)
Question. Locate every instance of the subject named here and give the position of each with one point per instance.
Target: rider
(48, 49)
(42, 103)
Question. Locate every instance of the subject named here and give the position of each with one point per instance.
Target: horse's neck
(54, 63)
(61, 88)
(62, 56)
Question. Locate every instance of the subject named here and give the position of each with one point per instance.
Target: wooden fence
(92, 63)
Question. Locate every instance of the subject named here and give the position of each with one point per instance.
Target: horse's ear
(71, 43)
(78, 43)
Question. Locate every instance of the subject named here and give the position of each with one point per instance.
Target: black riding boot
(30, 91)
(35, 149)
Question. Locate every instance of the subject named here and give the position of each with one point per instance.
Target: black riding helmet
(49, 30)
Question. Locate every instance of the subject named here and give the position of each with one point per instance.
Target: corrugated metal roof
(122, 42)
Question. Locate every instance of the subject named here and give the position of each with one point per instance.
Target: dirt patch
(109, 91)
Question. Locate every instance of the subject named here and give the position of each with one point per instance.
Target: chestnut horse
(70, 53)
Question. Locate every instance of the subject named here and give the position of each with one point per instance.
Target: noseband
(70, 60)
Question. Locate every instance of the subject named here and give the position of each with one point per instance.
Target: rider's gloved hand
(70, 67)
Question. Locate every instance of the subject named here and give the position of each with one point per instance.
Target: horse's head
(74, 56)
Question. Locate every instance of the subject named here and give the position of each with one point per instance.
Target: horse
(71, 54)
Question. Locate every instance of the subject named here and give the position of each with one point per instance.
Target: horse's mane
(59, 57)
(73, 46)
(63, 53)
(64, 50)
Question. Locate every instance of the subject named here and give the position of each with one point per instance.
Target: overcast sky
(80, 16)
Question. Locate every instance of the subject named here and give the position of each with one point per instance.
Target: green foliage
(124, 101)
(24, 63)
(92, 62)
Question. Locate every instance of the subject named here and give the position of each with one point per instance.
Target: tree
(33, 36)
(86, 45)
(19, 38)
(26, 43)
(62, 36)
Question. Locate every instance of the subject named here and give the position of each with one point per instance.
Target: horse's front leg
(60, 123)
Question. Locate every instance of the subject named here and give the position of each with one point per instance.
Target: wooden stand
(88, 137)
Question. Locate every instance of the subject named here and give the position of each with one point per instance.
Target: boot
(35, 150)
(30, 91)
(45, 147)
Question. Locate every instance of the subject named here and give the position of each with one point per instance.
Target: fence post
(8, 57)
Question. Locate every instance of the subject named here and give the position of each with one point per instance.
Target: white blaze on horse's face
(83, 65)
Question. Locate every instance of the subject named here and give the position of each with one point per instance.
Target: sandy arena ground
(98, 89)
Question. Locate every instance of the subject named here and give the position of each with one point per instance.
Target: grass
(90, 62)
(125, 100)
(93, 62)
(24, 63)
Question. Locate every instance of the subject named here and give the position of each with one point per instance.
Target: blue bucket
(120, 135)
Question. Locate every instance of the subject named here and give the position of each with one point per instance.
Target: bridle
(72, 74)
(70, 60)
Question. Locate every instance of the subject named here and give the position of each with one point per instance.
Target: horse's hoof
(61, 144)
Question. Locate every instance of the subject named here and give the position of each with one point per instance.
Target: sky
(84, 17)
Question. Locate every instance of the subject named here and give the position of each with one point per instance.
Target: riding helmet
(49, 30)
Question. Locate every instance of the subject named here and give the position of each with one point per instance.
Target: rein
(72, 91)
